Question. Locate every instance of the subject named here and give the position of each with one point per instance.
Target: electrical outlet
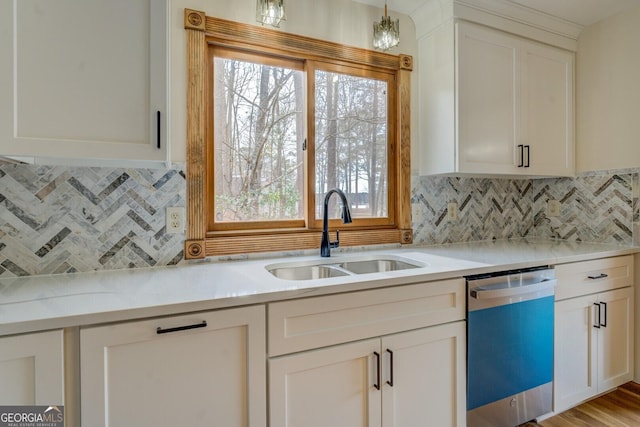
(553, 208)
(452, 211)
(174, 220)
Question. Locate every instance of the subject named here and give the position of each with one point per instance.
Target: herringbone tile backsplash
(56, 219)
(594, 207)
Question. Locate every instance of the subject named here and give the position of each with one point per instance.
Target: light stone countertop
(36, 303)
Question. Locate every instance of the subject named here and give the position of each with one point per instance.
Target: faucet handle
(335, 243)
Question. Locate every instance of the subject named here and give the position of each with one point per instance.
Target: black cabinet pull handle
(390, 380)
(528, 148)
(377, 383)
(203, 324)
(158, 127)
(597, 323)
(599, 276)
(521, 148)
(604, 325)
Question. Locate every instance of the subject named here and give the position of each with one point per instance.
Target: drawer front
(321, 321)
(588, 277)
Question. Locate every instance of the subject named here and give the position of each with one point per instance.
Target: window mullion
(310, 184)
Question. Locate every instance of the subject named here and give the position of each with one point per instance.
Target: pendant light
(270, 12)
(386, 33)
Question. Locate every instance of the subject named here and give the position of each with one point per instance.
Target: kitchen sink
(325, 269)
(307, 272)
(376, 265)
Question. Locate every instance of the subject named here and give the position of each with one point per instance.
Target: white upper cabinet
(84, 79)
(494, 103)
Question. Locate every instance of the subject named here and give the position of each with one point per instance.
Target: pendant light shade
(386, 33)
(270, 12)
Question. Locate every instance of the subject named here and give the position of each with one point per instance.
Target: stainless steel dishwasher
(509, 347)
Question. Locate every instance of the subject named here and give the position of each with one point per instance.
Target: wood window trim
(200, 242)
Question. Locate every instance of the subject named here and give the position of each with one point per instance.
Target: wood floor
(618, 408)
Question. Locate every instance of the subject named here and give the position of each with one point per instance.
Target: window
(258, 136)
(353, 133)
(274, 122)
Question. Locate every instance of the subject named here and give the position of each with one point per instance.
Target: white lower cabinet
(408, 379)
(327, 387)
(389, 357)
(191, 370)
(429, 385)
(593, 338)
(32, 369)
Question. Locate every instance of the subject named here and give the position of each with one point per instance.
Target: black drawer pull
(599, 276)
(203, 324)
(158, 128)
(597, 323)
(377, 383)
(390, 380)
(521, 149)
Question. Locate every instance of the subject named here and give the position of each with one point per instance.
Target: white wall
(608, 94)
(340, 21)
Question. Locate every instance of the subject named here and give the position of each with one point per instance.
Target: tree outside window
(259, 112)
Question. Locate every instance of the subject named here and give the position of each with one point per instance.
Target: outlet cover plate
(174, 220)
(553, 208)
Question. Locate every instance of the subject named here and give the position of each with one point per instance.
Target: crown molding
(501, 14)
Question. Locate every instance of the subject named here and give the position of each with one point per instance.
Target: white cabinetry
(197, 369)
(84, 79)
(594, 329)
(32, 369)
(387, 380)
(494, 103)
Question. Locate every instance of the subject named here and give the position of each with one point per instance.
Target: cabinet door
(134, 375)
(334, 386)
(486, 102)
(424, 377)
(547, 109)
(83, 79)
(32, 369)
(575, 352)
(615, 340)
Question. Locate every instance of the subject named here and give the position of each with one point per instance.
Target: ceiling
(581, 12)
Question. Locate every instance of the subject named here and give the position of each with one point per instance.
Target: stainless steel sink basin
(326, 269)
(376, 265)
(307, 272)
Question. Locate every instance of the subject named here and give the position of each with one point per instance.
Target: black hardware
(604, 325)
(304, 145)
(203, 324)
(377, 384)
(528, 148)
(521, 148)
(597, 324)
(599, 276)
(325, 243)
(390, 380)
(158, 129)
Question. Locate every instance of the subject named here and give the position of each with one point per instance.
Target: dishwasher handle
(480, 293)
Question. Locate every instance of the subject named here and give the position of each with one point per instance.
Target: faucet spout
(326, 244)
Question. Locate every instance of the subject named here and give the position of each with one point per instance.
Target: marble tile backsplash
(56, 219)
(597, 207)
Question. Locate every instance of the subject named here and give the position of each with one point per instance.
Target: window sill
(288, 241)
